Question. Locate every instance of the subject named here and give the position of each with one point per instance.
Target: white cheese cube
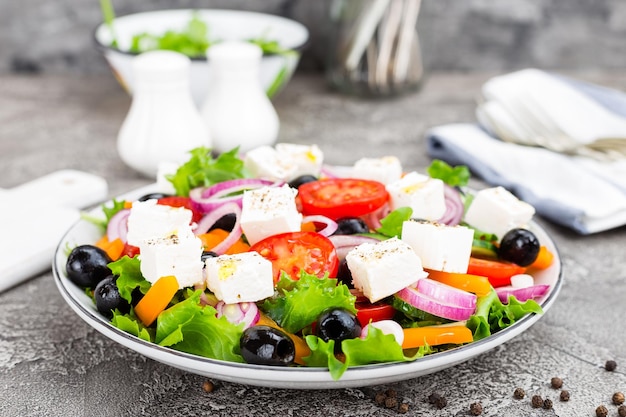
(383, 268)
(244, 277)
(268, 211)
(496, 210)
(423, 194)
(440, 247)
(172, 255)
(265, 162)
(386, 170)
(148, 220)
(307, 159)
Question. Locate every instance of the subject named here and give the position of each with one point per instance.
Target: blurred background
(40, 36)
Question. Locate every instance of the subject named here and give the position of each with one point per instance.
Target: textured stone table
(53, 364)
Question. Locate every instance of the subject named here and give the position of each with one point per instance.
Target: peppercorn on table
(572, 362)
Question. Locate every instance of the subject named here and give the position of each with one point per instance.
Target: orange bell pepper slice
(156, 299)
(476, 284)
(436, 335)
(216, 236)
(302, 349)
(112, 248)
(544, 259)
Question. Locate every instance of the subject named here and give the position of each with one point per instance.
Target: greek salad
(274, 258)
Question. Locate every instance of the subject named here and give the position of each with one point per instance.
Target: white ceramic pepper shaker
(236, 110)
(163, 123)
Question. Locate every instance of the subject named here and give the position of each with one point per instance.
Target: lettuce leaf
(204, 170)
(457, 176)
(391, 224)
(129, 276)
(130, 324)
(492, 315)
(297, 304)
(377, 347)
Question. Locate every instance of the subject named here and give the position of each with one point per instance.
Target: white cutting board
(34, 216)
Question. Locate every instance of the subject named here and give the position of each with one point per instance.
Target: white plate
(84, 232)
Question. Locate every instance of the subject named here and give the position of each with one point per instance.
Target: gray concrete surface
(53, 364)
(55, 36)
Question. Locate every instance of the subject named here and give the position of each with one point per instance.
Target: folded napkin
(582, 187)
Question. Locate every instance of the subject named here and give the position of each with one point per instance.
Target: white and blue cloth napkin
(567, 181)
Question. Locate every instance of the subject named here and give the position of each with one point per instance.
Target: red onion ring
(207, 199)
(433, 306)
(209, 220)
(446, 293)
(330, 226)
(454, 207)
(373, 219)
(521, 294)
(345, 243)
(246, 313)
(118, 226)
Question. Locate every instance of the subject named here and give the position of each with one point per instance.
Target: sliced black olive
(302, 179)
(344, 275)
(108, 297)
(264, 345)
(351, 226)
(337, 324)
(153, 196)
(519, 246)
(87, 265)
(207, 254)
(226, 222)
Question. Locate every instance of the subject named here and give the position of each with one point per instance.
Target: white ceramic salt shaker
(236, 110)
(163, 123)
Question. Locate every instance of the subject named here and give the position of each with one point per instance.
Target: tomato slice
(293, 251)
(498, 273)
(367, 312)
(185, 202)
(130, 251)
(342, 197)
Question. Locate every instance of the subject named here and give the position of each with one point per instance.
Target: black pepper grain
(610, 365)
(556, 382)
(208, 386)
(380, 398)
(564, 395)
(536, 401)
(403, 408)
(432, 398)
(602, 411)
(391, 402)
(476, 409)
(547, 404)
(519, 393)
(618, 398)
(621, 411)
(391, 393)
(441, 402)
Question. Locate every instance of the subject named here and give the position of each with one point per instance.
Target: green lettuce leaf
(297, 304)
(492, 315)
(129, 276)
(189, 327)
(204, 170)
(457, 176)
(108, 210)
(391, 224)
(130, 324)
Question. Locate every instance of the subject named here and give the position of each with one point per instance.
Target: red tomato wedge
(367, 312)
(342, 197)
(294, 251)
(498, 273)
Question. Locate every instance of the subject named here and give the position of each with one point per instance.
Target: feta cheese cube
(268, 211)
(423, 194)
(386, 170)
(244, 277)
(440, 247)
(266, 162)
(173, 255)
(383, 268)
(307, 159)
(496, 210)
(148, 220)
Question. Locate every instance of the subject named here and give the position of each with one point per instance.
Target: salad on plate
(274, 258)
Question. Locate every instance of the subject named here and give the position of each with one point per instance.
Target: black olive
(337, 324)
(226, 222)
(153, 196)
(351, 226)
(264, 345)
(207, 254)
(519, 246)
(108, 297)
(302, 179)
(87, 265)
(344, 275)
